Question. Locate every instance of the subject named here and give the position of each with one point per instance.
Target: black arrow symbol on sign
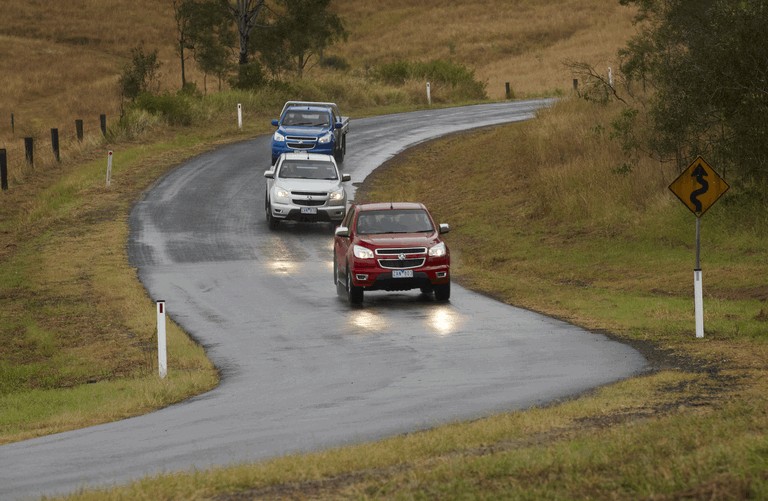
(699, 173)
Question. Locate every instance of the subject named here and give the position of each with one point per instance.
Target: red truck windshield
(393, 221)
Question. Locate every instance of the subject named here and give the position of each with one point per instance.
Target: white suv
(305, 187)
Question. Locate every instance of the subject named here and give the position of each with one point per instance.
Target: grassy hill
(581, 239)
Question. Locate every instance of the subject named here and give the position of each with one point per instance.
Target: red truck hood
(401, 239)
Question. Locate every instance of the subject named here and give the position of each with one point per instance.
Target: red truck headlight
(438, 250)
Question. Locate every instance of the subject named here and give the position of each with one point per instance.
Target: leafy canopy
(705, 65)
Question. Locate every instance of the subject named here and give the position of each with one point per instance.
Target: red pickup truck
(391, 246)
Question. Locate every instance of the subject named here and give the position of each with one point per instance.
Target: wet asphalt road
(302, 370)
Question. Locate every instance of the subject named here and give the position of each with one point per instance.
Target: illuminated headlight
(438, 250)
(336, 196)
(281, 195)
(362, 252)
(278, 137)
(325, 138)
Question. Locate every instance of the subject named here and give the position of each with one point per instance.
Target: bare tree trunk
(183, 65)
(245, 13)
(181, 36)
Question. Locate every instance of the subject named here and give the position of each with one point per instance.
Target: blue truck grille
(300, 142)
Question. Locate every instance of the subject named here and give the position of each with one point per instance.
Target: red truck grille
(402, 258)
(394, 264)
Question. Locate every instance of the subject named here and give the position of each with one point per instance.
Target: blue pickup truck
(313, 127)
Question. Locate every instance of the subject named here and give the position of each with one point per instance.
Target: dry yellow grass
(60, 60)
(56, 71)
(523, 42)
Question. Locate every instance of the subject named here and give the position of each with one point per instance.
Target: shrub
(395, 73)
(175, 109)
(455, 81)
(133, 124)
(249, 76)
(334, 62)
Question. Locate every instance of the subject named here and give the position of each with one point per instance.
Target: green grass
(694, 429)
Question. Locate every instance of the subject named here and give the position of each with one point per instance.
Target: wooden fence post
(55, 144)
(3, 169)
(29, 150)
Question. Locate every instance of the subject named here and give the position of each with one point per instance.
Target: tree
(245, 13)
(302, 30)
(705, 65)
(139, 76)
(181, 16)
(203, 28)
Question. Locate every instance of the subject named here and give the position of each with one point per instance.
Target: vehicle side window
(348, 219)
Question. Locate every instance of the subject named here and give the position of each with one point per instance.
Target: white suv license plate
(309, 210)
(402, 273)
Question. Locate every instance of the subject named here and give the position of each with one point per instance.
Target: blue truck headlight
(278, 137)
(325, 138)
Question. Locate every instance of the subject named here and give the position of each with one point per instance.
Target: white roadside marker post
(429, 95)
(239, 116)
(162, 357)
(698, 288)
(109, 168)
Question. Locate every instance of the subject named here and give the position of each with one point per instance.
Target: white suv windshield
(291, 169)
(393, 221)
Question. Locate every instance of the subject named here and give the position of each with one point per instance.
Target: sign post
(698, 187)
(162, 358)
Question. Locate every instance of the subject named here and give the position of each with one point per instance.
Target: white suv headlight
(336, 196)
(362, 252)
(325, 138)
(438, 250)
(281, 195)
(278, 137)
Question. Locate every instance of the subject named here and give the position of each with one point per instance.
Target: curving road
(301, 369)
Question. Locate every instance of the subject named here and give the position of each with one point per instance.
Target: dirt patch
(759, 293)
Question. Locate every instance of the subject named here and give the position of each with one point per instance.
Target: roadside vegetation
(560, 215)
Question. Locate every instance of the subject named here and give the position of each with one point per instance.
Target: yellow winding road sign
(699, 186)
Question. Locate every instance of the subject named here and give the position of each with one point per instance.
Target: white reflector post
(239, 116)
(429, 94)
(109, 167)
(162, 358)
(698, 298)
